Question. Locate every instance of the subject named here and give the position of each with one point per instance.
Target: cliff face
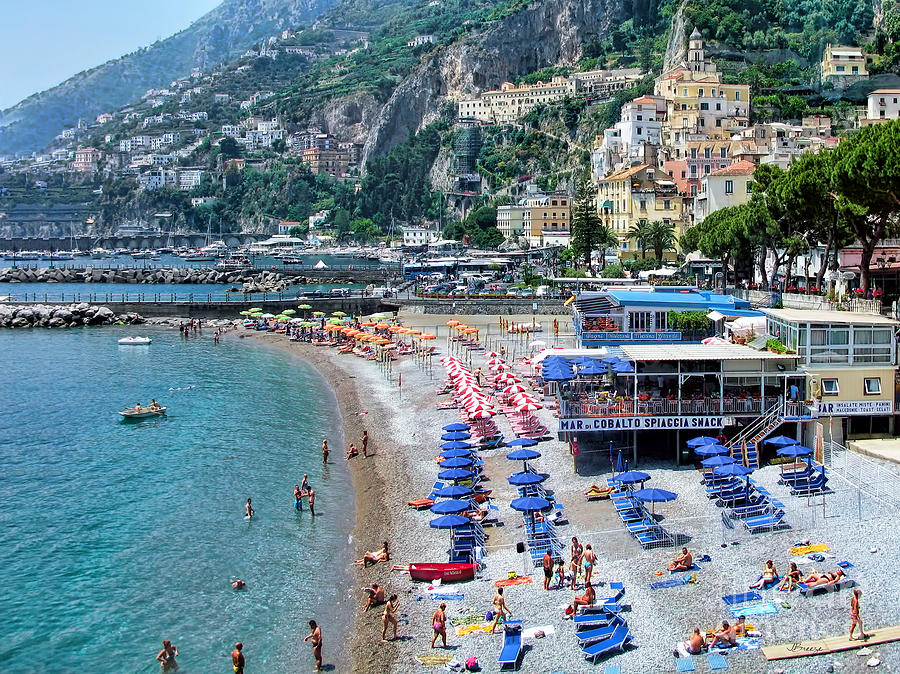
(676, 48)
(545, 33)
(223, 33)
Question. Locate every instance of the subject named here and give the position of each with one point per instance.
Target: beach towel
(434, 660)
(684, 665)
(470, 629)
(612, 669)
(467, 619)
(448, 597)
(520, 580)
(756, 609)
(692, 567)
(548, 631)
(732, 599)
(716, 661)
(670, 582)
(748, 643)
(845, 565)
(806, 549)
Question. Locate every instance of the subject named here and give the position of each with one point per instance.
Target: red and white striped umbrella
(492, 354)
(528, 407)
(494, 361)
(522, 396)
(498, 367)
(514, 388)
(482, 414)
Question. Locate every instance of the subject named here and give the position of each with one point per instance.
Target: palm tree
(639, 233)
(660, 237)
(606, 239)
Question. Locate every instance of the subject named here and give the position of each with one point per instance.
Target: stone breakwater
(62, 316)
(264, 281)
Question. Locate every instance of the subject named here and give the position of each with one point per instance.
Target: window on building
(639, 130)
(749, 187)
(704, 106)
(737, 95)
(661, 320)
(700, 93)
(840, 69)
(830, 387)
(553, 203)
(719, 122)
(706, 169)
(682, 174)
(667, 204)
(693, 190)
(855, 69)
(693, 153)
(693, 170)
(706, 153)
(640, 118)
(639, 321)
(872, 386)
(677, 136)
(729, 187)
(718, 106)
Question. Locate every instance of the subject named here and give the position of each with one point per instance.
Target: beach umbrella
(454, 491)
(304, 306)
(456, 435)
(456, 474)
(530, 505)
(340, 314)
(654, 496)
(483, 414)
(498, 367)
(453, 322)
(523, 455)
(456, 444)
(289, 312)
(457, 462)
(522, 442)
(451, 507)
(318, 313)
(781, 441)
(454, 454)
(632, 476)
(523, 479)
(733, 469)
(528, 407)
(714, 461)
(591, 370)
(620, 464)
(449, 522)
(711, 450)
(427, 336)
(795, 451)
(254, 309)
(515, 388)
(558, 376)
(702, 440)
(456, 427)
(623, 367)
(492, 354)
(494, 361)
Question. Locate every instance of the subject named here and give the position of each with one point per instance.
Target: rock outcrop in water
(266, 281)
(62, 316)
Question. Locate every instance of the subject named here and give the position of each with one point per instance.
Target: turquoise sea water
(118, 535)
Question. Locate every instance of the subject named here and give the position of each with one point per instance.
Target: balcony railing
(631, 407)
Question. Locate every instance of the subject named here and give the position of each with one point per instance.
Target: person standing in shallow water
(311, 495)
(237, 658)
(249, 509)
(325, 452)
(316, 636)
(167, 656)
(365, 443)
(298, 497)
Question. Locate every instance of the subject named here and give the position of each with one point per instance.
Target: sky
(43, 42)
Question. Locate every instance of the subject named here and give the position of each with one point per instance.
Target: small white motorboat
(135, 341)
(143, 412)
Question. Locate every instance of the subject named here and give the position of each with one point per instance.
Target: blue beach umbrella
(523, 479)
(449, 522)
(654, 496)
(523, 455)
(781, 441)
(458, 462)
(456, 427)
(622, 368)
(454, 491)
(456, 435)
(632, 476)
(714, 461)
(795, 451)
(593, 369)
(522, 442)
(733, 469)
(620, 464)
(710, 450)
(456, 474)
(450, 507)
(456, 444)
(455, 454)
(530, 504)
(702, 440)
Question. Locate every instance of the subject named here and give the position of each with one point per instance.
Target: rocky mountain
(215, 38)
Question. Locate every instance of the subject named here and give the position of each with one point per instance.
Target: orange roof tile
(740, 168)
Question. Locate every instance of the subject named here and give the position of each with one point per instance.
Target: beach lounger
(421, 504)
(593, 620)
(807, 591)
(616, 641)
(588, 637)
(765, 522)
(512, 645)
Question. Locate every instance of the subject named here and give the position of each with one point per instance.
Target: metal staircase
(753, 434)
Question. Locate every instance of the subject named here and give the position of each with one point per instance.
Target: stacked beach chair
(639, 522)
(746, 501)
(600, 629)
(811, 480)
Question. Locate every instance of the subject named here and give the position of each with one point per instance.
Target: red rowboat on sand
(445, 572)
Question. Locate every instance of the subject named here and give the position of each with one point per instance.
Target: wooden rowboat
(145, 413)
(445, 572)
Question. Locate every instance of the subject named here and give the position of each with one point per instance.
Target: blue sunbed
(588, 637)
(616, 641)
(512, 645)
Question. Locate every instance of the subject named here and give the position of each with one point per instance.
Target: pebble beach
(404, 425)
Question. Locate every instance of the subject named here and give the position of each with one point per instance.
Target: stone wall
(61, 316)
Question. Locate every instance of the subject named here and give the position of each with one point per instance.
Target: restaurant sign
(847, 408)
(612, 336)
(639, 423)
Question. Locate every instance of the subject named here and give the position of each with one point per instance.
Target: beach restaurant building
(659, 314)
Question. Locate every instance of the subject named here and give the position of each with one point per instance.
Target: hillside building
(416, 237)
(883, 105)
(419, 40)
(842, 66)
(729, 186)
(511, 221)
(86, 160)
(331, 162)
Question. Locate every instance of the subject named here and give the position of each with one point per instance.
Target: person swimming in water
(238, 584)
(167, 656)
(249, 509)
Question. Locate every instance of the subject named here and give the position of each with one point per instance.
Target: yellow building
(842, 66)
(699, 106)
(548, 218)
(635, 195)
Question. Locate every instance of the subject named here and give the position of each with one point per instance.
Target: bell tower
(695, 51)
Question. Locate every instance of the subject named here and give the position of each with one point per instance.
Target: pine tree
(588, 232)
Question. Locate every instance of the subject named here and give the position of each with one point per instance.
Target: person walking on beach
(575, 564)
(248, 509)
(311, 495)
(298, 497)
(389, 617)
(237, 658)
(588, 558)
(316, 636)
(167, 656)
(365, 443)
(325, 452)
(500, 608)
(439, 625)
(855, 617)
(547, 563)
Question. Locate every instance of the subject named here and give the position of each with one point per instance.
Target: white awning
(715, 316)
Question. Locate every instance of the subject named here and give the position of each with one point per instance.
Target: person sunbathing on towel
(725, 637)
(791, 579)
(587, 599)
(374, 557)
(769, 576)
(695, 643)
(829, 578)
(682, 562)
(375, 596)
